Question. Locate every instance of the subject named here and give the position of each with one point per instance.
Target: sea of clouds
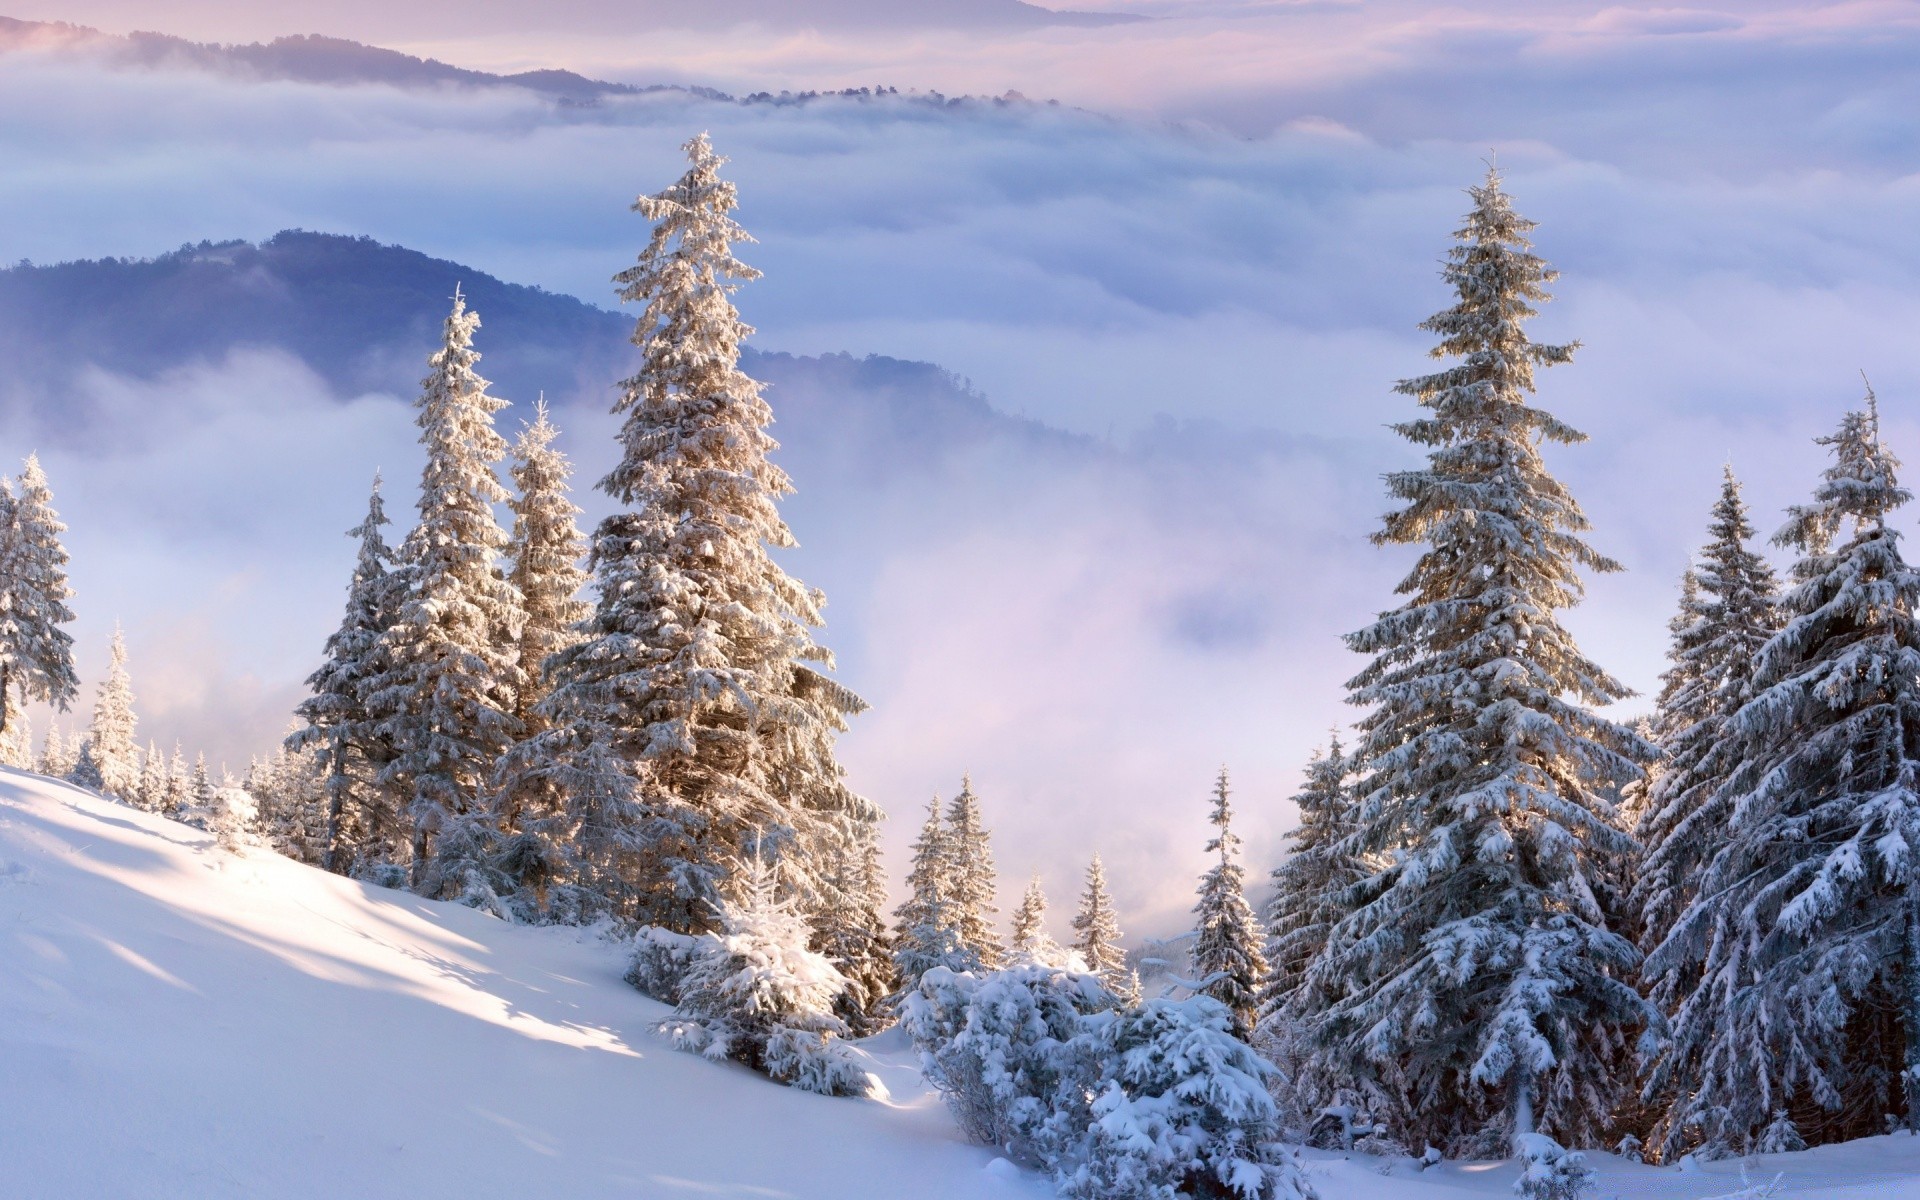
(1210, 263)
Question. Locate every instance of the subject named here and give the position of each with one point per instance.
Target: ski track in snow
(176, 1021)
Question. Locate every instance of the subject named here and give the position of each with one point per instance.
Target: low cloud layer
(1219, 306)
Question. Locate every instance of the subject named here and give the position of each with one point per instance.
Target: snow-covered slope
(176, 1021)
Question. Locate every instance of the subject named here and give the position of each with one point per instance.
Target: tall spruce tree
(971, 877)
(852, 934)
(116, 755)
(1808, 913)
(1030, 935)
(546, 566)
(450, 679)
(927, 929)
(340, 720)
(690, 725)
(36, 654)
(1310, 888)
(1227, 958)
(1479, 968)
(1097, 932)
(1729, 608)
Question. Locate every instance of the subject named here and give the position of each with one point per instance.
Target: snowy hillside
(177, 1021)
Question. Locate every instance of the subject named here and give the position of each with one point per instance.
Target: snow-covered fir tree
(852, 932)
(36, 654)
(545, 557)
(153, 779)
(1097, 933)
(179, 783)
(1808, 914)
(444, 698)
(1729, 608)
(758, 995)
(116, 755)
(971, 879)
(340, 719)
(57, 753)
(927, 924)
(691, 721)
(1030, 937)
(86, 770)
(1309, 887)
(1227, 959)
(1478, 967)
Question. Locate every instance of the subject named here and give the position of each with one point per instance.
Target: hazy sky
(1239, 229)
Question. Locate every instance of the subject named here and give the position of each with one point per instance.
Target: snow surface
(176, 1021)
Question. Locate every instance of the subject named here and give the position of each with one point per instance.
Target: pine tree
(1227, 959)
(971, 876)
(36, 655)
(853, 935)
(1030, 937)
(1808, 912)
(179, 784)
(115, 753)
(1310, 887)
(446, 695)
(200, 790)
(340, 720)
(688, 723)
(1098, 930)
(86, 770)
(927, 923)
(1729, 608)
(153, 779)
(545, 554)
(1479, 968)
(53, 753)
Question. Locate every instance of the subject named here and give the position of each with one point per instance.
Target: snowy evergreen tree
(1478, 967)
(56, 759)
(1031, 940)
(451, 677)
(153, 779)
(690, 722)
(927, 923)
(36, 654)
(1097, 933)
(1729, 608)
(1227, 959)
(971, 879)
(116, 755)
(340, 720)
(1309, 888)
(1806, 919)
(180, 796)
(545, 556)
(852, 933)
(1181, 1109)
(761, 997)
(86, 770)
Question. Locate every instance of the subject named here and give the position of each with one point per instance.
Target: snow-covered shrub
(1182, 1109)
(660, 961)
(756, 994)
(1009, 1053)
(1548, 1170)
(229, 817)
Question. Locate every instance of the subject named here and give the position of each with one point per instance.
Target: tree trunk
(1910, 1013)
(336, 802)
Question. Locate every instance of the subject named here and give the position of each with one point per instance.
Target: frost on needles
(1479, 979)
